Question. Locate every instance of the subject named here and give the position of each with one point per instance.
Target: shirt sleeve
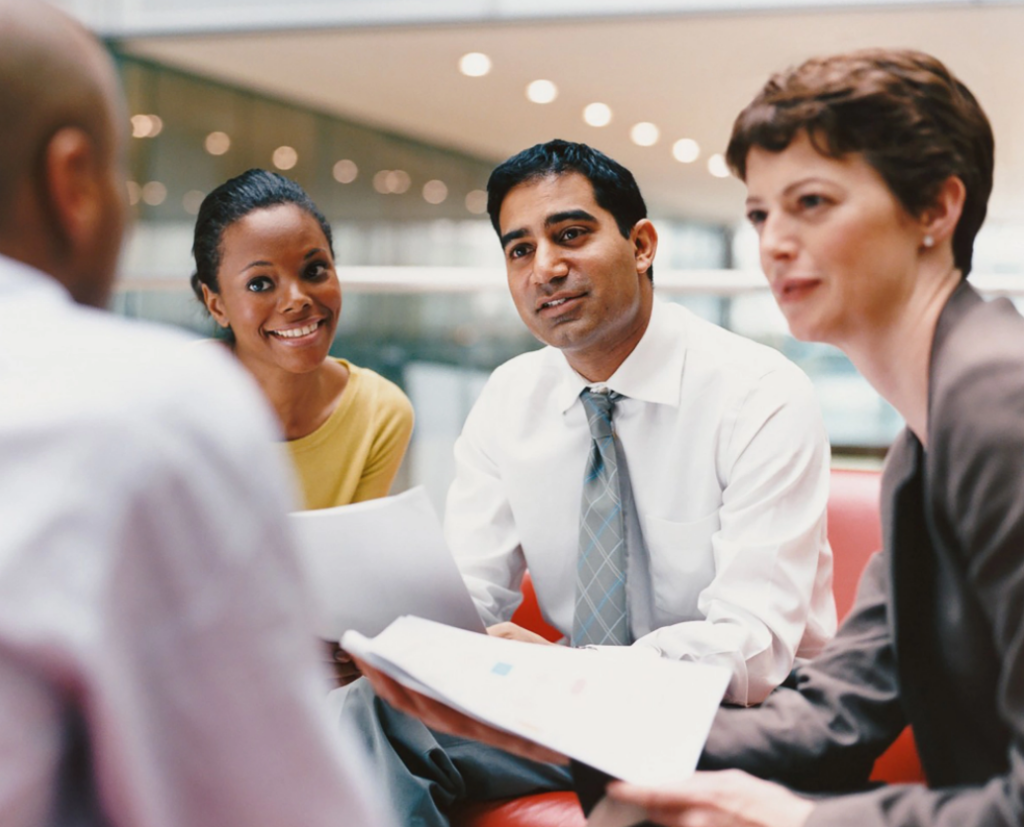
(770, 598)
(393, 421)
(479, 524)
(204, 697)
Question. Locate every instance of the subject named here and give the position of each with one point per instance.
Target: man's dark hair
(615, 189)
(909, 116)
(232, 201)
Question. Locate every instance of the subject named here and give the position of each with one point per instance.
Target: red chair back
(854, 530)
(528, 614)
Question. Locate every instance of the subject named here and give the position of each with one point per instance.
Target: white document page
(371, 562)
(629, 713)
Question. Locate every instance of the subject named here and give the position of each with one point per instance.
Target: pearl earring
(928, 241)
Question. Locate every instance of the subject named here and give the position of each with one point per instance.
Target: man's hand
(730, 798)
(341, 667)
(445, 719)
(510, 631)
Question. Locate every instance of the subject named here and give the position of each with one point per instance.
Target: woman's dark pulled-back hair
(615, 189)
(903, 110)
(233, 200)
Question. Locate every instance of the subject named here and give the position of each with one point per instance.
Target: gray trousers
(424, 773)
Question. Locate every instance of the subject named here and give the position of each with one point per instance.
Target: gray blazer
(936, 637)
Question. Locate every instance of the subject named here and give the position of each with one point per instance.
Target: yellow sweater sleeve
(392, 430)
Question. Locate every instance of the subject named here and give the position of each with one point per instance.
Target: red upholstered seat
(528, 614)
(542, 810)
(854, 531)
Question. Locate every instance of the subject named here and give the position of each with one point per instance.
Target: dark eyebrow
(511, 236)
(550, 221)
(316, 251)
(568, 215)
(790, 188)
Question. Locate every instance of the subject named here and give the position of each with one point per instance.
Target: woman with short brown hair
(868, 176)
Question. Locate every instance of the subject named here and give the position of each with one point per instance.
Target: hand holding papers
(442, 718)
(644, 721)
(370, 562)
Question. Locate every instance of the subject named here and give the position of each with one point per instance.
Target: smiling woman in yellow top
(265, 271)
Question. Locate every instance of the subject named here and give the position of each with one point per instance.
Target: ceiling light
(285, 157)
(644, 134)
(398, 181)
(686, 150)
(345, 171)
(140, 126)
(391, 181)
(146, 126)
(717, 166)
(154, 193)
(542, 91)
(597, 114)
(217, 143)
(434, 192)
(476, 202)
(474, 64)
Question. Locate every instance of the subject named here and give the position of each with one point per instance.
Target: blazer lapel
(899, 481)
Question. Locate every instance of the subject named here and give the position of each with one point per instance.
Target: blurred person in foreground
(155, 663)
(868, 176)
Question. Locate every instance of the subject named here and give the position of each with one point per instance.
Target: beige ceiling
(689, 75)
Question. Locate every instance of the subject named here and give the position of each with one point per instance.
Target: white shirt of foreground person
(729, 463)
(155, 663)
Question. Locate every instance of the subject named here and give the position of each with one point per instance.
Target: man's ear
(645, 244)
(73, 187)
(938, 222)
(215, 306)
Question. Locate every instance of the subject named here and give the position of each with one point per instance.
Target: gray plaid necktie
(601, 615)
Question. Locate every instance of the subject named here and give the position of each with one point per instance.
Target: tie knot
(599, 407)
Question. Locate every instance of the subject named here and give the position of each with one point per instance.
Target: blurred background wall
(392, 113)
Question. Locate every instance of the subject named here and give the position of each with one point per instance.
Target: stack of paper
(628, 713)
(371, 562)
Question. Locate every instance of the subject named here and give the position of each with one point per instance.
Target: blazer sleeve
(976, 504)
(977, 507)
(824, 728)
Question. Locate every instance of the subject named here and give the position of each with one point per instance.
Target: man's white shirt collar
(653, 372)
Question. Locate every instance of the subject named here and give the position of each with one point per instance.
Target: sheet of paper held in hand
(635, 716)
(371, 562)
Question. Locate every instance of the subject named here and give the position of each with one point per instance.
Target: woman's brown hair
(903, 110)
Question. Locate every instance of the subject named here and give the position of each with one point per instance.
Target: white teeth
(554, 303)
(296, 332)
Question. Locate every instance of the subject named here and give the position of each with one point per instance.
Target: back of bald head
(53, 74)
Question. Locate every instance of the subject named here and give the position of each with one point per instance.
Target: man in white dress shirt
(722, 437)
(155, 661)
